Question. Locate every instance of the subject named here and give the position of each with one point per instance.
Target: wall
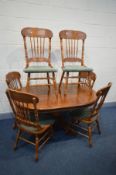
(95, 17)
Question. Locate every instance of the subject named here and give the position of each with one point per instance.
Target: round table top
(75, 97)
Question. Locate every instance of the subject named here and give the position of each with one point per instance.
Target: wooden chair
(87, 78)
(72, 53)
(37, 45)
(13, 81)
(90, 115)
(27, 120)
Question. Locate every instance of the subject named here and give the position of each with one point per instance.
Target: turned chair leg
(61, 80)
(66, 83)
(54, 82)
(14, 126)
(98, 126)
(48, 79)
(36, 147)
(17, 138)
(28, 80)
(90, 135)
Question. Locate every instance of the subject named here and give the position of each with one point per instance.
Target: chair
(13, 81)
(28, 121)
(72, 53)
(37, 45)
(87, 78)
(90, 115)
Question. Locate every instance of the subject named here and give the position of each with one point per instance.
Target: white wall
(95, 17)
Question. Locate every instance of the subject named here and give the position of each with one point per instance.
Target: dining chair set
(37, 47)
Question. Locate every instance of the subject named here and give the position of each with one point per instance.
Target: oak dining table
(51, 101)
(59, 104)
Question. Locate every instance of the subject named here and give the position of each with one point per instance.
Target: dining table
(52, 101)
(59, 104)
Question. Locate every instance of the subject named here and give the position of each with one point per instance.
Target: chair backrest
(101, 95)
(37, 44)
(13, 80)
(25, 106)
(72, 46)
(87, 78)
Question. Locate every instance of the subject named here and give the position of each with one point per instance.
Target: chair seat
(42, 122)
(81, 113)
(76, 68)
(46, 121)
(84, 115)
(39, 69)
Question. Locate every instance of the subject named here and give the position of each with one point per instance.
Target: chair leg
(28, 80)
(66, 84)
(17, 138)
(14, 125)
(79, 81)
(90, 135)
(89, 80)
(51, 132)
(61, 80)
(98, 126)
(36, 147)
(54, 81)
(48, 78)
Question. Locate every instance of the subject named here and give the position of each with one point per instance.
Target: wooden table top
(75, 97)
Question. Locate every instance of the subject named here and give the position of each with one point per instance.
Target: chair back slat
(71, 48)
